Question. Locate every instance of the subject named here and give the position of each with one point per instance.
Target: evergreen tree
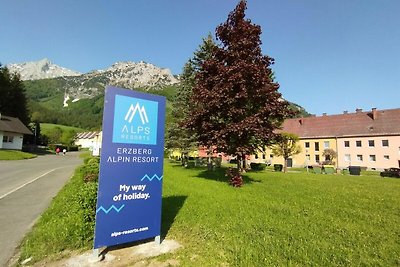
(178, 136)
(235, 105)
(13, 100)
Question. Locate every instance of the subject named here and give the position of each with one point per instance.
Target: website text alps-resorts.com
(127, 232)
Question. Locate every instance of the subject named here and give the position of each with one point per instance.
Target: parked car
(392, 172)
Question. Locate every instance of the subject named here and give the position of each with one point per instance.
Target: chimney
(374, 113)
(358, 110)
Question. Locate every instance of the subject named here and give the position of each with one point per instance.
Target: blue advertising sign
(131, 168)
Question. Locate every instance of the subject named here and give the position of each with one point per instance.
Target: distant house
(91, 140)
(368, 139)
(12, 132)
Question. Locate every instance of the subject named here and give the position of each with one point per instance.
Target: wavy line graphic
(111, 208)
(151, 178)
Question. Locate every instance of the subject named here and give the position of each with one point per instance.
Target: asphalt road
(26, 190)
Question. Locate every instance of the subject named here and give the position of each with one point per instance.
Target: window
(385, 142)
(256, 156)
(372, 158)
(347, 157)
(316, 146)
(307, 144)
(8, 139)
(371, 143)
(326, 144)
(358, 143)
(308, 157)
(271, 156)
(386, 157)
(346, 143)
(359, 157)
(317, 158)
(263, 156)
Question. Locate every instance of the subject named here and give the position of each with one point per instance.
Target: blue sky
(330, 56)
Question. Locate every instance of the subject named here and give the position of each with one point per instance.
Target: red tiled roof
(372, 123)
(13, 125)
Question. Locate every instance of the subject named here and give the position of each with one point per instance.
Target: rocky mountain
(42, 69)
(123, 74)
(76, 86)
(78, 100)
(136, 75)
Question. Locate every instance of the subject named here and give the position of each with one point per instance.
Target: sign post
(131, 168)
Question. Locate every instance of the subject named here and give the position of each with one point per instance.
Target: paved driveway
(26, 189)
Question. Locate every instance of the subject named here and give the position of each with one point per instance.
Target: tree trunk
(244, 167)
(209, 163)
(238, 161)
(285, 165)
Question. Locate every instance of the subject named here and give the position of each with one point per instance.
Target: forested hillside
(78, 100)
(46, 101)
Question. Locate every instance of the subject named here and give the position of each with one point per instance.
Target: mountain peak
(41, 69)
(126, 74)
(135, 75)
(43, 61)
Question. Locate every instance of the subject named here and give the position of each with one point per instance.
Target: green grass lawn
(45, 128)
(275, 219)
(284, 219)
(15, 155)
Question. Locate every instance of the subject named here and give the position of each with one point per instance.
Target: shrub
(91, 159)
(278, 167)
(72, 148)
(258, 166)
(90, 171)
(91, 177)
(233, 161)
(235, 178)
(217, 161)
(329, 169)
(87, 198)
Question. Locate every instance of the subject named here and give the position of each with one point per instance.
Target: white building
(90, 140)
(12, 132)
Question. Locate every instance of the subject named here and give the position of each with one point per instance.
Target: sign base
(96, 256)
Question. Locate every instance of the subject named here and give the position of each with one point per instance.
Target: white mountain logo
(132, 111)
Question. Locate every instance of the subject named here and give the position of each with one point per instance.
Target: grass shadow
(218, 174)
(170, 209)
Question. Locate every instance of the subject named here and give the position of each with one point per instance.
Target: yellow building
(367, 139)
(177, 154)
(311, 153)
